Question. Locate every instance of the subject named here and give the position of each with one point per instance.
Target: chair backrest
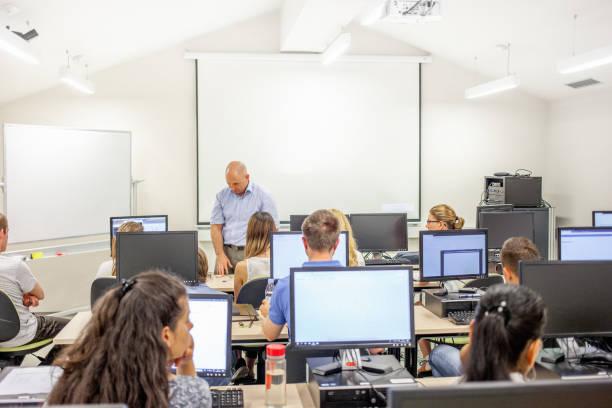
(99, 287)
(253, 292)
(484, 283)
(9, 319)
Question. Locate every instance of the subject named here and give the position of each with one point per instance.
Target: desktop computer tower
(519, 191)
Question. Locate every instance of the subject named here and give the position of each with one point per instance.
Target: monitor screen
(380, 232)
(175, 251)
(325, 313)
(453, 254)
(585, 244)
(296, 221)
(149, 223)
(576, 294)
(211, 315)
(287, 251)
(506, 394)
(602, 218)
(504, 225)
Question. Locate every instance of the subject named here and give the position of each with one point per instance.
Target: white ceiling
(110, 32)
(540, 32)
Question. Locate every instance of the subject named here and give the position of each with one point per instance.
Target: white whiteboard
(344, 135)
(63, 182)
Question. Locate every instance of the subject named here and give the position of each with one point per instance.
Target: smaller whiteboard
(62, 182)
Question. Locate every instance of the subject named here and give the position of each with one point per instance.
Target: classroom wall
(578, 146)
(154, 97)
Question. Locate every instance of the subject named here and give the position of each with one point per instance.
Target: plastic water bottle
(276, 376)
(269, 289)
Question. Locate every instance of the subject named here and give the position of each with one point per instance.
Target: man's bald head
(237, 177)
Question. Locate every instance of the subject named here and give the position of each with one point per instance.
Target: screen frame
(559, 229)
(346, 345)
(599, 212)
(117, 253)
(473, 231)
(346, 241)
(228, 356)
(128, 218)
(405, 223)
(521, 267)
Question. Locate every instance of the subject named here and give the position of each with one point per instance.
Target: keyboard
(461, 317)
(227, 398)
(385, 261)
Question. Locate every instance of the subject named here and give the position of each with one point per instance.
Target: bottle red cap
(275, 350)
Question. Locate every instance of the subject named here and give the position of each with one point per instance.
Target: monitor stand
(350, 360)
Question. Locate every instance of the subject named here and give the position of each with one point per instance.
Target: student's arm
(222, 262)
(270, 330)
(240, 278)
(37, 292)
(32, 292)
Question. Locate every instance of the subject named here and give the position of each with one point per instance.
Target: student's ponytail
(507, 318)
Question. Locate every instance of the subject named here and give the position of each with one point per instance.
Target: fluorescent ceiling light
(492, 87)
(76, 81)
(587, 60)
(336, 48)
(17, 46)
(373, 14)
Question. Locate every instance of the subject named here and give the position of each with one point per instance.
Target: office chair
(9, 328)
(99, 287)
(253, 292)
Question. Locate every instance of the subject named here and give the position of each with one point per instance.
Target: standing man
(233, 207)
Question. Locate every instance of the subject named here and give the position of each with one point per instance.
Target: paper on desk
(30, 380)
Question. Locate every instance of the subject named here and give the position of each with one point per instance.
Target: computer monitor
(327, 313)
(576, 295)
(506, 394)
(584, 243)
(380, 232)
(503, 225)
(175, 251)
(602, 218)
(296, 221)
(287, 251)
(453, 254)
(149, 223)
(211, 315)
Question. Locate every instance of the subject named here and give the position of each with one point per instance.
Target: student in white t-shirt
(108, 268)
(17, 281)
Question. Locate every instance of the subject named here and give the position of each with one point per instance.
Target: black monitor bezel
(118, 255)
(474, 231)
(404, 223)
(228, 357)
(343, 345)
(599, 212)
(559, 229)
(303, 216)
(300, 233)
(127, 218)
(487, 213)
(521, 266)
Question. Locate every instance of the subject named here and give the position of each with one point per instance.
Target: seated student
(505, 335)
(355, 257)
(445, 360)
(108, 268)
(137, 330)
(17, 281)
(441, 217)
(321, 231)
(257, 251)
(202, 266)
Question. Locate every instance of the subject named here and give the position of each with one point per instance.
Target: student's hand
(184, 364)
(223, 265)
(264, 309)
(29, 300)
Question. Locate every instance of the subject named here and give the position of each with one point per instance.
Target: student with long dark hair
(505, 335)
(136, 332)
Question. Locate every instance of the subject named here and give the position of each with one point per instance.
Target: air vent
(583, 83)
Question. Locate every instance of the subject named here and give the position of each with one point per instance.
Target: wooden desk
(242, 334)
(223, 283)
(438, 381)
(297, 396)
